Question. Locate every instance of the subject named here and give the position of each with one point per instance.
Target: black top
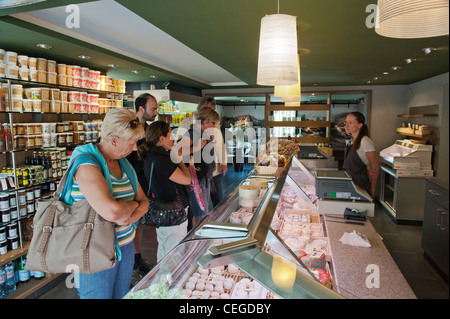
(357, 170)
(139, 165)
(161, 186)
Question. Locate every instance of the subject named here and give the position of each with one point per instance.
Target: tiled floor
(402, 241)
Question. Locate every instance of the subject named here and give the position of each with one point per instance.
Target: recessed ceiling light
(428, 50)
(375, 78)
(114, 66)
(409, 60)
(385, 73)
(84, 57)
(396, 67)
(153, 76)
(136, 71)
(44, 46)
(368, 82)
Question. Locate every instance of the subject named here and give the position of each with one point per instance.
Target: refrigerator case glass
(225, 257)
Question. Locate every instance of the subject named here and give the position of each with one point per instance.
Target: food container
(61, 139)
(2, 69)
(69, 138)
(78, 125)
(45, 106)
(17, 91)
(37, 106)
(53, 139)
(79, 137)
(10, 57)
(61, 69)
(42, 76)
(77, 107)
(69, 80)
(32, 63)
(93, 98)
(69, 70)
(19, 142)
(77, 81)
(24, 73)
(55, 95)
(2, 55)
(39, 140)
(64, 96)
(55, 106)
(84, 97)
(28, 105)
(46, 140)
(29, 128)
(52, 77)
(33, 74)
(73, 96)
(42, 64)
(64, 107)
(85, 72)
(45, 94)
(17, 105)
(33, 93)
(71, 107)
(84, 108)
(59, 127)
(38, 129)
(51, 66)
(12, 71)
(22, 60)
(62, 79)
(76, 71)
(29, 141)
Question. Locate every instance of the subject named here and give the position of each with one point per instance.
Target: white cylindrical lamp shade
(411, 19)
(277, 59)
(290, 90)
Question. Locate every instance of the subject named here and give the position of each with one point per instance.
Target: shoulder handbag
(163, 213)
(68, 237)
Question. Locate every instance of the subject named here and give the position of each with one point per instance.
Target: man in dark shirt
(146, 110)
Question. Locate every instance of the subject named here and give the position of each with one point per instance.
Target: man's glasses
(133, 124)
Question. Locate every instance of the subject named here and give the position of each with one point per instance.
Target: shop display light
(409, 19)
(290, 94)
(277, 59)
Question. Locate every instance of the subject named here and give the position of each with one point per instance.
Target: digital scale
(338, 185)
(310, 151)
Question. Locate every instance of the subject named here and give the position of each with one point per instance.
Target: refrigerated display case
(238, 251)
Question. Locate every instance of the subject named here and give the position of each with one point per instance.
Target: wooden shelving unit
(418, 115)
(304, 107)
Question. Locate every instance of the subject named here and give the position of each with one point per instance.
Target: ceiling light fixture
(277, 57)
(411, 19)
(114, 66)
(5, 4)
(290, 93)
(428, 50)
(136, 71)
(385, 73)
(44, 46)
(84, 57)
(396, 68)
(153, 76)
(409, 60)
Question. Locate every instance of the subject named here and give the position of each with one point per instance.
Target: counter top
(354, 265)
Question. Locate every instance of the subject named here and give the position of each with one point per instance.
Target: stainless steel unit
(216, 245)
(402, 197)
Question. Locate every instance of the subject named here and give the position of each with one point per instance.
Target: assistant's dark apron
(357, 170)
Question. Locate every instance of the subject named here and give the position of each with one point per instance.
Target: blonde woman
(113, 191)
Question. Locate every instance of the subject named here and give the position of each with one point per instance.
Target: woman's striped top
(122, 190)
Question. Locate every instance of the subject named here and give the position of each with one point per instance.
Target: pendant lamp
(277, 59)
(408, 19)
(292, 94)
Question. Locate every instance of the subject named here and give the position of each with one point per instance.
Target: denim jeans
(217, 196)
(113, 283)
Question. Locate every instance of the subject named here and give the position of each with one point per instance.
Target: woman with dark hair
(361, 161)
(169, 180)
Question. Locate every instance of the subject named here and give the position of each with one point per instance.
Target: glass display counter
(264, 240)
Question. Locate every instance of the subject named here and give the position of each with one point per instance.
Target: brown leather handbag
(68, 237)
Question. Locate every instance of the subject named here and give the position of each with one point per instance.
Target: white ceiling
(132, 36)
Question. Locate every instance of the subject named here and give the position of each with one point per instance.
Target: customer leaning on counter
(111, 187)
(361, 161)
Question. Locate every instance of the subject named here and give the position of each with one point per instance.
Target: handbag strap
(149, 194)
(48, 226)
